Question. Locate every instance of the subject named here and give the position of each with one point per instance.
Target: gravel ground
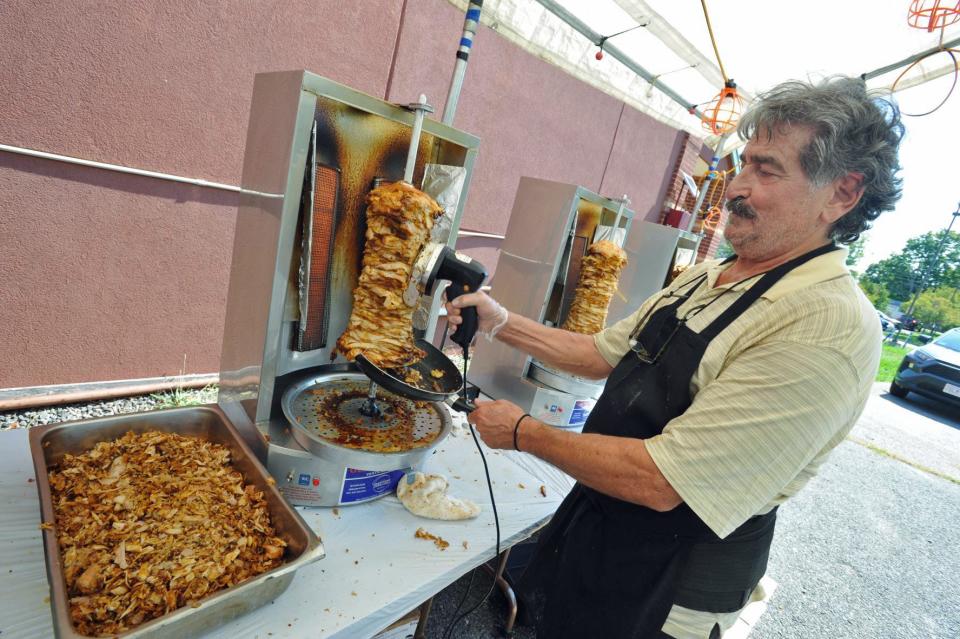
(87, 410)
(867, 550)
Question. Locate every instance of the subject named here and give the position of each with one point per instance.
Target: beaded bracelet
(516, 429)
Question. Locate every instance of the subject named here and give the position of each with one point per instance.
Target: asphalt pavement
(869, 549)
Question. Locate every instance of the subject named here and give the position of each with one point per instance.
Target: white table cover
(375, 570)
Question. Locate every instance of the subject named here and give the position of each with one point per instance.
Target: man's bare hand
(495, 421)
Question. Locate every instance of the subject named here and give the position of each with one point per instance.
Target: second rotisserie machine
(551, 226)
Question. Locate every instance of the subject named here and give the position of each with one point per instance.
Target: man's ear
(847, 191)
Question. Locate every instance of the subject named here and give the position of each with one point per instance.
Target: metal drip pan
(561, 381)
(323, 411)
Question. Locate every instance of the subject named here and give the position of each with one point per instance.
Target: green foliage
(890, 360)
(901, 273)
(178, 397)
(878, 294)
(724, 250)
(938, 308)
(856, 250)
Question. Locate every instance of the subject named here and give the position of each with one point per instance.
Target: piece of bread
(426, 496)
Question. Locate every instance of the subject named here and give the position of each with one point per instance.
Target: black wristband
(516, 429)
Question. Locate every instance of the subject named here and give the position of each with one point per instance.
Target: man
(725, 392)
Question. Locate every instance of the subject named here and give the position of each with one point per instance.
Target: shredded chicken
(399, 221)
(152, 522)
(438, 541)
(413, 377)
(599, 274)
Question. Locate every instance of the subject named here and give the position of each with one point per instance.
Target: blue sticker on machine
(304, 479)
(581, 410)
(361, 485)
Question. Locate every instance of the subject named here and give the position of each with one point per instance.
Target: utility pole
(923, 272)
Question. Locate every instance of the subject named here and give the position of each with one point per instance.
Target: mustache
(738, 206)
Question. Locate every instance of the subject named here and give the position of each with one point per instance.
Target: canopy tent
(665, 64)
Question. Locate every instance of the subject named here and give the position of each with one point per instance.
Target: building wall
(110, 276)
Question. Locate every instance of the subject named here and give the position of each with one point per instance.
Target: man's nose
(739, 186)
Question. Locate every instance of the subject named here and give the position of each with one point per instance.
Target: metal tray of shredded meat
(48, 444)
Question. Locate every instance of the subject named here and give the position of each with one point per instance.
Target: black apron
(608, 568)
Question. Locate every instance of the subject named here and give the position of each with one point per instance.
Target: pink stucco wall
(166, 85)
(106, 276)
(640, 161)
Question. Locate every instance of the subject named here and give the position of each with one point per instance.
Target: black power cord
(496, 520)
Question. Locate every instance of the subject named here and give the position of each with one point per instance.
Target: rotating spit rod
(369, 407)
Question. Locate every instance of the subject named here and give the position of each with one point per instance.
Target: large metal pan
(48, 445)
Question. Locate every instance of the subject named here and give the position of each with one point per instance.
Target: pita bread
(426, 496)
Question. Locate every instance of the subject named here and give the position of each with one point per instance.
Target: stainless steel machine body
(551, 226)
(314, 150)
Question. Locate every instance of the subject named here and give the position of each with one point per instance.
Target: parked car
(887, 323)
(932, 370)
(909, 323)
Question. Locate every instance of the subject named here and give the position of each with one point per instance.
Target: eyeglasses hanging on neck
(651, 353)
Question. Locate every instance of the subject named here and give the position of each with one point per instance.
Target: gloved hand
(492, 317)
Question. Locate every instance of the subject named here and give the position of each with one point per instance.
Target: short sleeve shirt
(775, 391)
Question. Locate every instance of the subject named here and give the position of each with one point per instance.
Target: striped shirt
(775, 392)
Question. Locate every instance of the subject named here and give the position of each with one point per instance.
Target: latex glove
(492, 317)
(426, 496)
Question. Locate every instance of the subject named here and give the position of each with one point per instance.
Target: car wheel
(898, 391)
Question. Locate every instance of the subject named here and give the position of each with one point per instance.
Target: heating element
(319, 221)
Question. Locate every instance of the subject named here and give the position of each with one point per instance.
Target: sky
(931, 183)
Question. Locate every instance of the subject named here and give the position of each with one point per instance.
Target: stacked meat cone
(599, 274)
(399, 221)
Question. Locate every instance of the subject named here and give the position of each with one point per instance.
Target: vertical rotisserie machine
(314, 150)
(550, 228)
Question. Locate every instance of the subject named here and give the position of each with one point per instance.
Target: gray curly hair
(854, 131)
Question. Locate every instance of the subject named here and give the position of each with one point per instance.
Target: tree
(878, 294)
(724, 250)
(856, 251)
(901, 273)
(938, 308)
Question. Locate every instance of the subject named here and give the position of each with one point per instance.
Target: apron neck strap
(754, 293)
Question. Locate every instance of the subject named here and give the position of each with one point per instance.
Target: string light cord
(614, 35)
(603, 39)
(713, 41)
